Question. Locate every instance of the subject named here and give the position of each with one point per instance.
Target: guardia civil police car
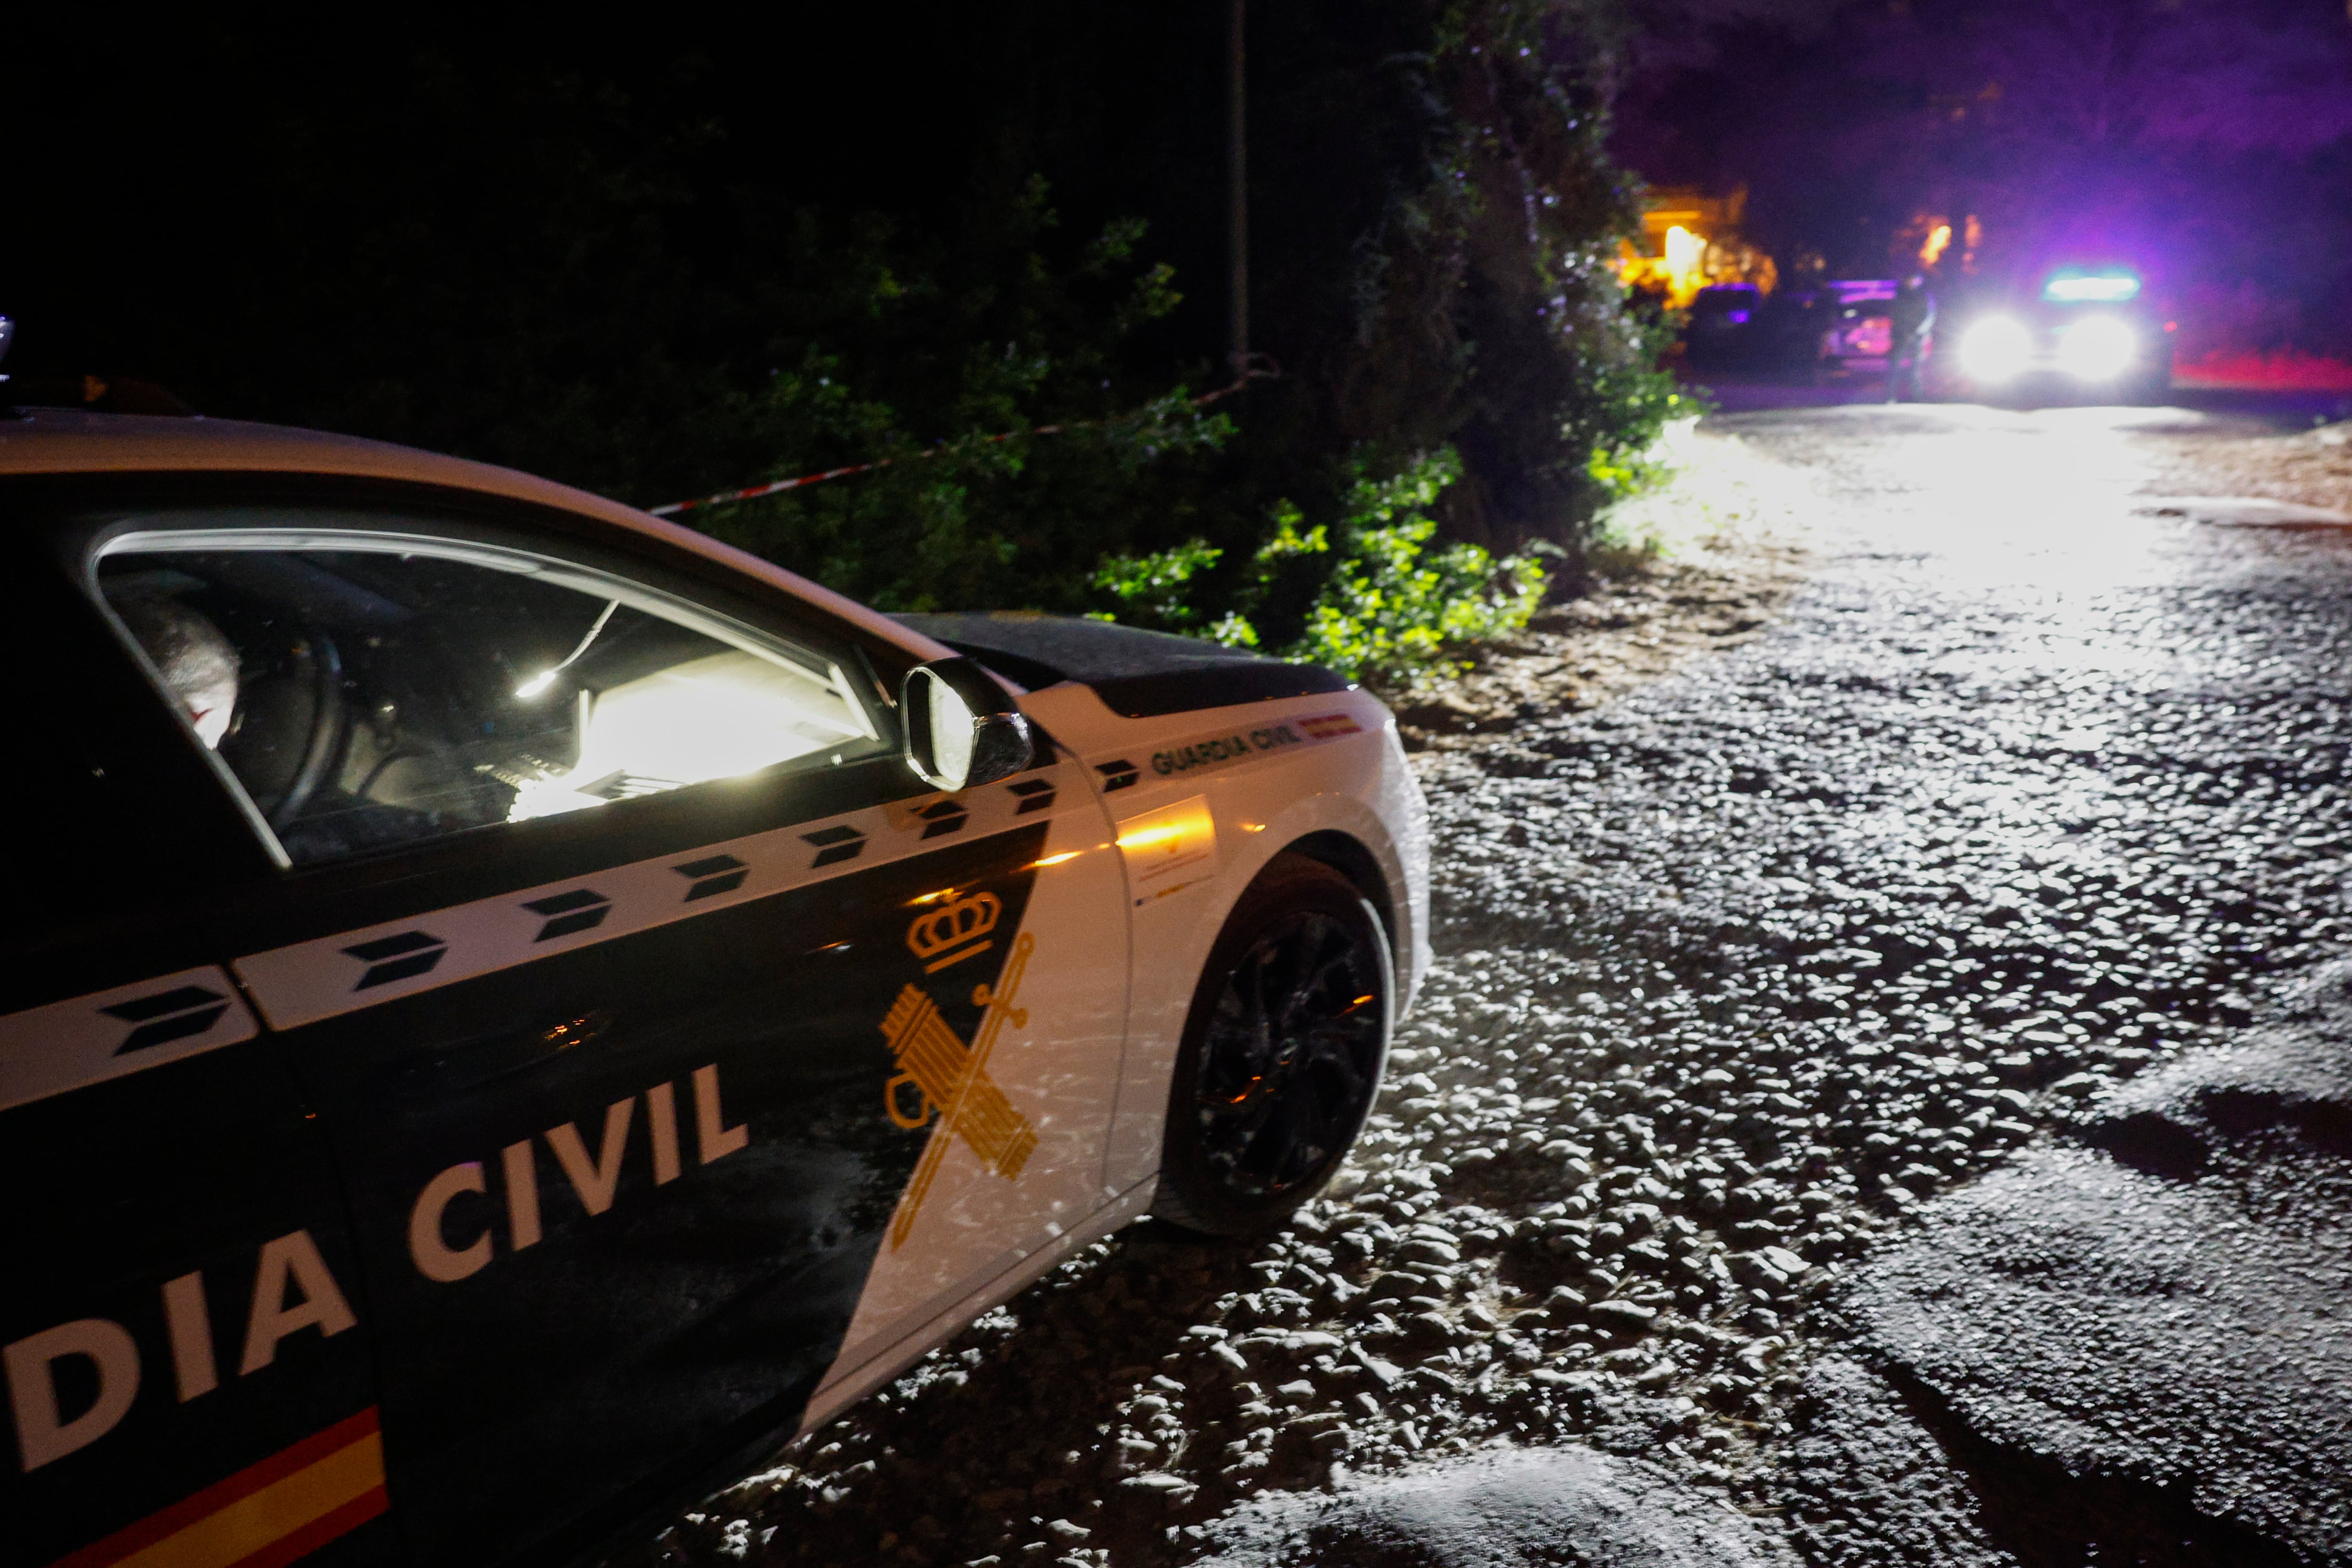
(513, 1006)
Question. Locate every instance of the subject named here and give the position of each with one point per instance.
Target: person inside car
(197, 663)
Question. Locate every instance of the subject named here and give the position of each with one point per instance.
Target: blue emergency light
(2074, 285)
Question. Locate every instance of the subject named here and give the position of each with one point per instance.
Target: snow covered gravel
(1566, 1505)
(2026, 795)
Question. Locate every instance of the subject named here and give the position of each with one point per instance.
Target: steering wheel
(325, 742)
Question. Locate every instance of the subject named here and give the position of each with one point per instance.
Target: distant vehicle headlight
(2097, 348)
(1996, 348)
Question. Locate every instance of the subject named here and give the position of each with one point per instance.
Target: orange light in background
(1939, 239)
(1690, 239)
(1685, 256)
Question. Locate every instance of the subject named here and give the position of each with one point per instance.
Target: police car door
(179, 1298)
(646, 995)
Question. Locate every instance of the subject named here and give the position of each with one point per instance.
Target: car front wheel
(1282, 1053)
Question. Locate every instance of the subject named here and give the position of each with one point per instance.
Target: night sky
(233, 166)
(251, 208)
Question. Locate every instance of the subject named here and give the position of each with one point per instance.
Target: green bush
(1386, 605)
(1394, 608)
(1156, 589)
(939, 363)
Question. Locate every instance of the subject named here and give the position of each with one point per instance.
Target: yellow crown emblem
(954, 933)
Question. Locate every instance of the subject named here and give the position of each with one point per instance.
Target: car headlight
(2097, 348)
(1996, 348)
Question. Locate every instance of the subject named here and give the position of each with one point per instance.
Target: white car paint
(1358, 785)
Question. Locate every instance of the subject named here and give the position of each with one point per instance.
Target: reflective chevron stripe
(341, 973)
(86, 1039)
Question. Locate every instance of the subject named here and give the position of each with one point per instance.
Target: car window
(366, 690)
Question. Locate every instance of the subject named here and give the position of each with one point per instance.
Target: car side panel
(727, 1085)
(183, 1340)
(1058, 1063)
(185, 1345)
(1200, 802)
(573, 1331)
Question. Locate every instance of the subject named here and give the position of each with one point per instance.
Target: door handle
(497, 1054)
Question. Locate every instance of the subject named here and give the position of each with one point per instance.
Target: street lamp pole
(1237, 179)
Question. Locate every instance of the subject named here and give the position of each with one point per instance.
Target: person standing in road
(1913, 331)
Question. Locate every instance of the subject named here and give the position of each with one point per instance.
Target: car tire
(1282, 1053)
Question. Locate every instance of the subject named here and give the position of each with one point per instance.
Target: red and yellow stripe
(265, 1515)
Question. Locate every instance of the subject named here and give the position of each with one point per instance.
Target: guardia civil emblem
(945, 1076)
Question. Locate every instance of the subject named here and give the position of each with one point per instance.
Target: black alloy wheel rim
(1291, 1056)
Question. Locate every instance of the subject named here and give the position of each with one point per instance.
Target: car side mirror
(963, 728)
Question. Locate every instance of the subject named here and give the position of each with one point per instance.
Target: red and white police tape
(673, 507)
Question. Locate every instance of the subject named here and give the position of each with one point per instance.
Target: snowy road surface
(1815, 1143)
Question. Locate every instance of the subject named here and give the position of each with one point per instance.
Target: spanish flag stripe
(250, 1526)
(240, 1518)
(320, 1531)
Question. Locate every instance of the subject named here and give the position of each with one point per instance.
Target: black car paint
(183, 1171)
(1137, 674)
(571, 1367)
(667, 1311)
(118, 1188)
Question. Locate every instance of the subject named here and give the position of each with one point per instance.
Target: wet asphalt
(1882, 1099)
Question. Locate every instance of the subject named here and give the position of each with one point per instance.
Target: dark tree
(664, 260)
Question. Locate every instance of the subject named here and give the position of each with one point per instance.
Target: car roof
(73, 441)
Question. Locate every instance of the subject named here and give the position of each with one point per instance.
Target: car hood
(1137, 674)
